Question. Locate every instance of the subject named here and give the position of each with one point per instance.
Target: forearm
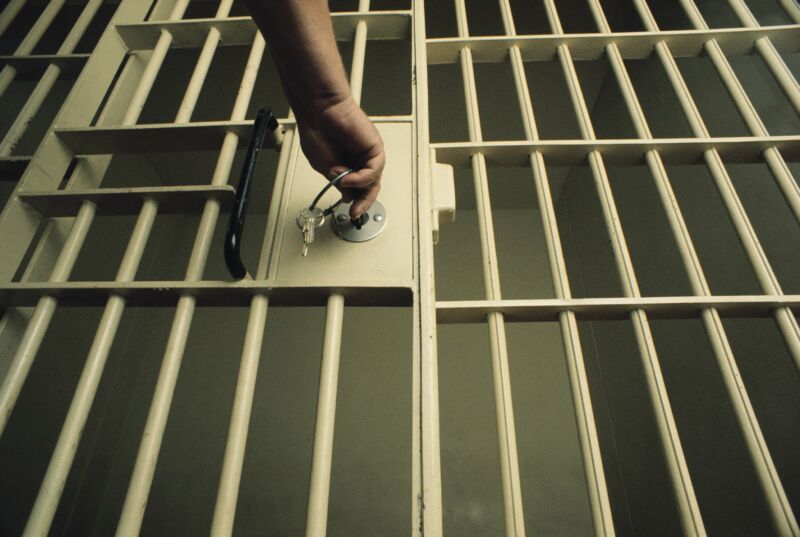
(300, 38)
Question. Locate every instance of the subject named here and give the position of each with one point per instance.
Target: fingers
(361, 186)
(369, 173)
(364, 200)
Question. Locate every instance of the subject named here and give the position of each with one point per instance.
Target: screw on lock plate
(367, 227)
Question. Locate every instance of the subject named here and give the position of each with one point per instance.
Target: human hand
(339, 137)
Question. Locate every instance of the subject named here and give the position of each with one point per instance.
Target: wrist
(310, 110)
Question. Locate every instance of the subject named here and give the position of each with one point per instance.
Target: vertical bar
(319, 490)
(782, 516)
(45, 84)
(228, 491)
(428, 501)
(33, 36)
(322, 456)
(35, 331)
(142, 477)
(584, 414)
(63, 455)
(507, 441)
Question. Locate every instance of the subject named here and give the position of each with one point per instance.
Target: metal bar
(618, 151)
(158, 137)
(587, 431)
(507, 442)
(48, 80)
(791, 8)
(772, 488)
(33, 66)
(319, 489)
(662, 307)
(241, 30)
(30, 41)
(632, 45)
(126, 201)
(228, 491)
(142, 477)
(165, 293)
(230, 479)
(427, 509)
(209, 293)
(766, 47)
(783, 176)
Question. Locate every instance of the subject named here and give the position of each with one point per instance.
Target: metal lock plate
(374, 222)
(385, 258)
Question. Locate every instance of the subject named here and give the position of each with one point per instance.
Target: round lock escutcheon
(370, 225)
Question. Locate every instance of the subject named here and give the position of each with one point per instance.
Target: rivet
(378, 217)
(341, 218)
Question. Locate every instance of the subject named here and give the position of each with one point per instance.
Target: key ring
(334, 182)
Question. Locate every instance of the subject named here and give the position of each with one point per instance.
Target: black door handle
(265, 120)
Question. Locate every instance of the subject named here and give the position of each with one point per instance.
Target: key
(308, 220)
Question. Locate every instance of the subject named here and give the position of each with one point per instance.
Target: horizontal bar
(153, 138)
(168, 137)
(632, 45)
(32, 66)
(667, 307)
(128, 201)
(241, 30)
(12, 168)
(617, 151)
(207, 293)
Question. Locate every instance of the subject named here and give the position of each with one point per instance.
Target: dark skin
(335, 133)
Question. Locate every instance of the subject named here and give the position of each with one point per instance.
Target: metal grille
(581, 133)
(39, 65)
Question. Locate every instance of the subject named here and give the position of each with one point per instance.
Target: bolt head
(341, 217)
(378, 217)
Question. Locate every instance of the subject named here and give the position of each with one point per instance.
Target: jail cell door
(116, 290)
(577, 315)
